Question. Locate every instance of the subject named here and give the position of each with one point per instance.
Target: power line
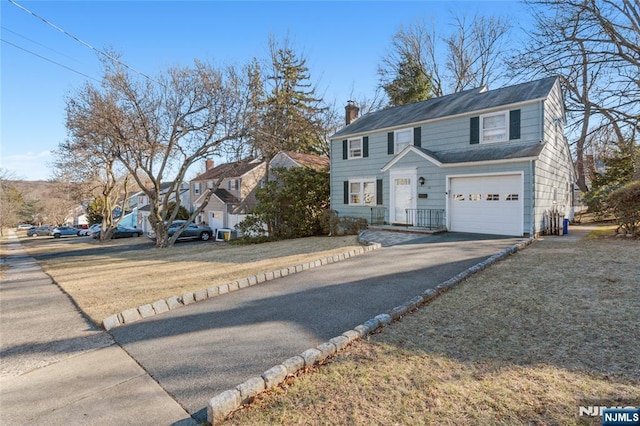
(39, 44)
(84, 43)
(50, 60)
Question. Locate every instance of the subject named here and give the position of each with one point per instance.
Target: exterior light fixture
(421, 180)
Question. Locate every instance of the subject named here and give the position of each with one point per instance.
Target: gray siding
(453, 134)
(550, 174)
(342, 170)
(282, 160)
(439, 135)
(554, 167)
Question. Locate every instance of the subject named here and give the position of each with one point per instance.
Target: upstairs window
(233, 184)
(494, 127)
(355, 148)
(196, 188)
(403, 138)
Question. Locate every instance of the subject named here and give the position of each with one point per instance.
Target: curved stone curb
(174, 302)
(223, 404)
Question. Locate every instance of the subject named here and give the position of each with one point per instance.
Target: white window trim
(361, 192)
(395, 139)
(349, 150)
(506, 126)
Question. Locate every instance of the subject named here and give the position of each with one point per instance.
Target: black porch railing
(377, 215)
(425, 218)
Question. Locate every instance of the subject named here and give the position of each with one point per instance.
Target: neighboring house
(141, 209)
(236, 183)
(77, 217)
(289, 159)
(234, 196)
(481, 161)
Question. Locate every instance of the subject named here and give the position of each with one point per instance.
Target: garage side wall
(554, 167)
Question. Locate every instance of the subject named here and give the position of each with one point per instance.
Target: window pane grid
(494, 128)
(362, 192)
(355, 148)
(403, 138)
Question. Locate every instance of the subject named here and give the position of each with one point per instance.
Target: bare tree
(89, 158)
(161, 127)
(471, 55)
(593, 46)
(474, 51)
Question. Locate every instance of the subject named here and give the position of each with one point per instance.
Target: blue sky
(342, 41)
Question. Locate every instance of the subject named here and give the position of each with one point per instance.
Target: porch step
(406, 229)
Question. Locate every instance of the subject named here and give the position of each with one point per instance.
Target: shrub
(625, 204)
(290, 206)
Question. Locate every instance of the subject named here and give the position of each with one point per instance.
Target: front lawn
(527, 341)
(109, 277)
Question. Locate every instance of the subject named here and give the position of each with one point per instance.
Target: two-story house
(140, 210)
(480, 161)
(234, 187)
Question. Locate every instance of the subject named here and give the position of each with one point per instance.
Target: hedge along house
(479, 161)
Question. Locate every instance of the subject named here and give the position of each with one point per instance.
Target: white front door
(403, 196)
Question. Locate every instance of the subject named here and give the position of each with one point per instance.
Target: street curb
(151, 309)
(223, 404)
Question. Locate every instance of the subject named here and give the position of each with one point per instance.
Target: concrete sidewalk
(57, 368)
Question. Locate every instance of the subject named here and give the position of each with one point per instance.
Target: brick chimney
(351, 112)
(209, 164)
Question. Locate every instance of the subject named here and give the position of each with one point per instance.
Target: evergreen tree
(409, 85)
(288, 110)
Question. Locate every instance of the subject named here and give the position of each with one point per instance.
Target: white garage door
(486, 204)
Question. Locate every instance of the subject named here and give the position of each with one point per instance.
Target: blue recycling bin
(565, 227)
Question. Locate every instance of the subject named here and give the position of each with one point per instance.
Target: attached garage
(486, 204)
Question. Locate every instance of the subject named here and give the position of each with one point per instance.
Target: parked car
(39, 231)
(120, 232)
(96, 227)
(191, 232)
(64, 231)
(25, 226)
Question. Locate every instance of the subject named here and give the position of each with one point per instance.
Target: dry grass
(107, 278)
(524, 342)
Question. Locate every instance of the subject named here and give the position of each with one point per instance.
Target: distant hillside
(34, 189)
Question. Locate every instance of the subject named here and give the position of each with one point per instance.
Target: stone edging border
(174, 302)
(223, 404)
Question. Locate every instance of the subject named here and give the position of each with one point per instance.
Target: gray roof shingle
(449, 105)
(486, 153)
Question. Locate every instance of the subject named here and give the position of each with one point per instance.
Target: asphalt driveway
(199, 350)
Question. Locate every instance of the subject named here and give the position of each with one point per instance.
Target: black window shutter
(475, 130)
(379, 192)
(514, 124)
(365, 146)
(390, 144)
(345, 149)
(346, 192)
(417, 136)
